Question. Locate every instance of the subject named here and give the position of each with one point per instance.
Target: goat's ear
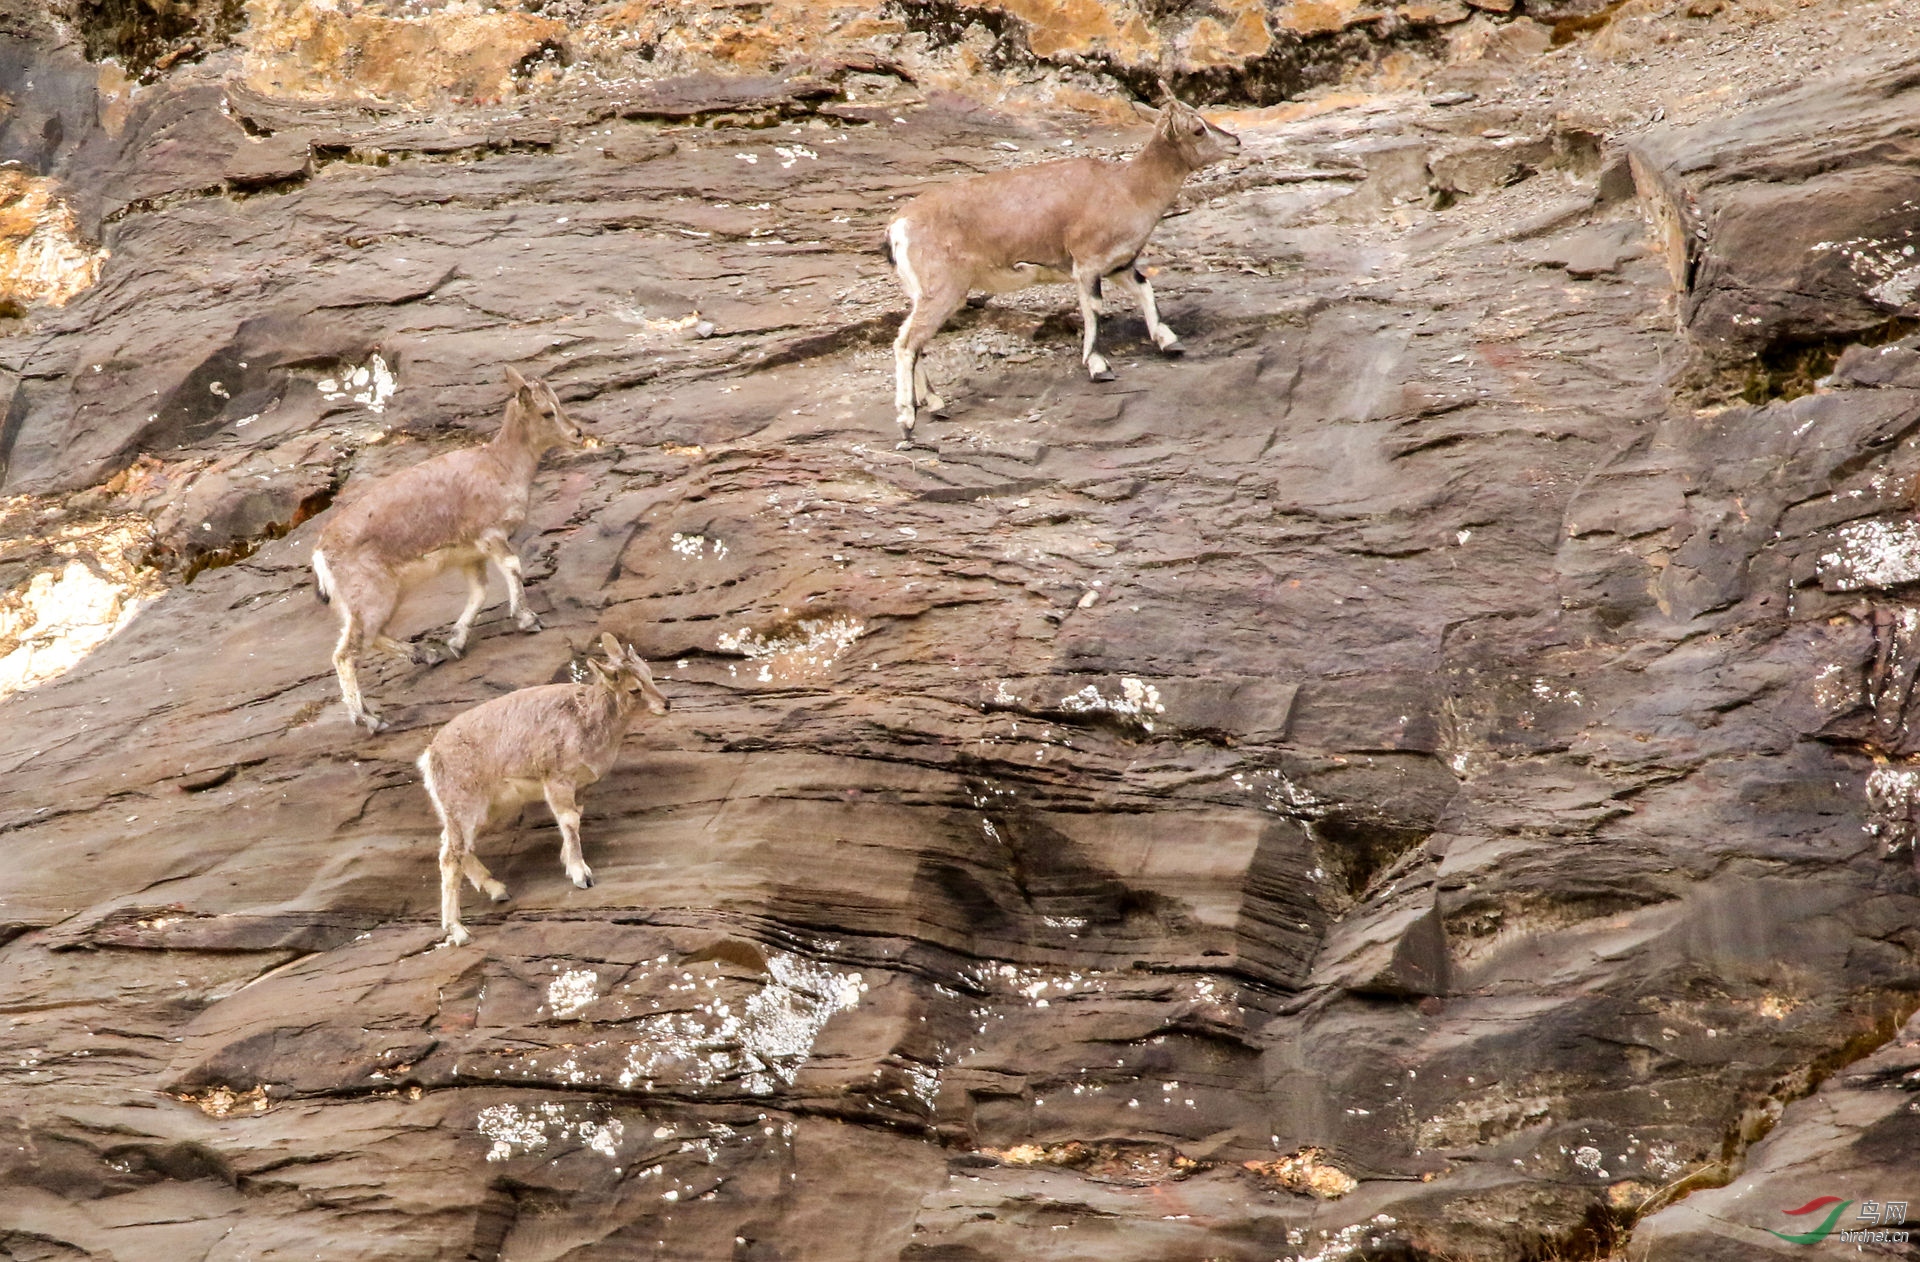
(515, 380)
(612, 647)
(1145, 111)
(1166, 93)
(601, 675)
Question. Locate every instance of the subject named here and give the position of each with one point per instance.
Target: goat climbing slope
(457, 509)
(1080, 219)
(550, 741)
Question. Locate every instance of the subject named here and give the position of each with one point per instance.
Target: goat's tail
(425, 763)
(322, 578)
(886, 247)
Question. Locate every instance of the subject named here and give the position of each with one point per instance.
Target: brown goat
(457, 509)
(1080, 219)
(551, 742)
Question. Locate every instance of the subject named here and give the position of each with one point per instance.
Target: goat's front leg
(567, 815)
(1136, 286)
(496, 549)
(1085, 280)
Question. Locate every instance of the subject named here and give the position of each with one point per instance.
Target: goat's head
(1197, 141)
(625, 673)
(546, 422)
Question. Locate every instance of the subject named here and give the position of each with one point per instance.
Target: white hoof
(583, 878)
(529, 622)
(496, 891)
(1167, 340)
(458, 936)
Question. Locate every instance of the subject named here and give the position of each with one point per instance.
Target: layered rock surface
(1400, 781)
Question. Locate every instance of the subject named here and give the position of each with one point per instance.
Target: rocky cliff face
(1427, 775)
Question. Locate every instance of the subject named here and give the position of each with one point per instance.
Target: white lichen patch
(1837, 687)
(761, 1045)
(1279, 794)
(1547, 690)
(924, 1082)
(572, 991)
(697, 547)
(1872, 554)
(603, 1138)
(517, 1129)
(1893, 794)
(370, 385)
(1037, 986)
(1342, 1244)
(1663, 1159)
(808, 647)
(96, 586)
(42, 258)
(1138, 702)
(1888, 269)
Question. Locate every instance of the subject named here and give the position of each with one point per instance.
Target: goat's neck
(514, 446)
(622, 707)
(1158, 171)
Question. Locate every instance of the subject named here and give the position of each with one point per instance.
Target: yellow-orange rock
(297, 49)
(42, 258)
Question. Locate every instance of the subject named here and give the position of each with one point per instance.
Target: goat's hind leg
(376, 609)
(344, 667)
(933, 306)
(476, 572)
(1086, 282)
(483, 880)
(1135, 285)
(923, 395)
(567, 814)
(417, 654)
(456, 850)
(931, 311)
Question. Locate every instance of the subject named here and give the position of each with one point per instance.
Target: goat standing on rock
(1081, 219)
(550, 741)
(460, 509)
